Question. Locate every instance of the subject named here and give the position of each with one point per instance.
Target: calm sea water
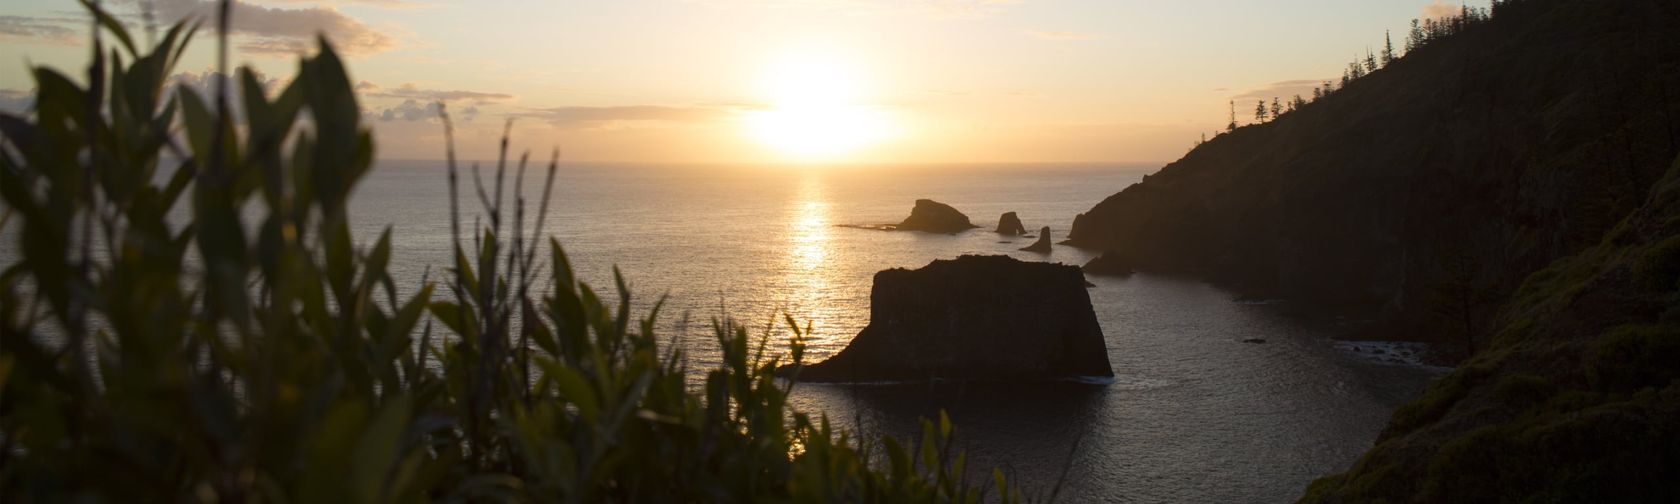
(1194, 414)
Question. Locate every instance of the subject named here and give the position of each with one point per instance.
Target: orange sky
(825, 81)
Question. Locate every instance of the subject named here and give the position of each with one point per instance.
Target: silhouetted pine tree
(1277, 108)
(1388, 48)
(1414, 39)
(1233, 125)
(1260, 112)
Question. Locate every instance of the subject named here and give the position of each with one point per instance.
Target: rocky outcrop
(975, 318)
(1041, 246)
(1110, 264)
(935, 217)
(1577, 398)
(1010, 224)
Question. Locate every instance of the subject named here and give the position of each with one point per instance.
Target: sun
(817, 110)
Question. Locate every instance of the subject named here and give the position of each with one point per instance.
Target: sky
(776, 81)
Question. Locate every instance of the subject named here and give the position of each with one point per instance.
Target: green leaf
(573, 387)
(377, 451)
(111, 24)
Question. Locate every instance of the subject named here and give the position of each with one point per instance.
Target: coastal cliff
(1512, 189)
(1460, 168)
(974, 318)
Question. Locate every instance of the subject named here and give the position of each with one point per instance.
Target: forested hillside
(1422, 194)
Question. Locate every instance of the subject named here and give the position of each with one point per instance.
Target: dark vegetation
(1510, 184)
(1492, 148)
(150, 358)
(1575, 399)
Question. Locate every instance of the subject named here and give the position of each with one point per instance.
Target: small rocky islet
(974, 318)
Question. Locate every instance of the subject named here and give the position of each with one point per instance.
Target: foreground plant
(213, 357)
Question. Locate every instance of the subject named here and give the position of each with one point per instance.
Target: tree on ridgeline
(1233, 125)
(1388, 48)
(1414, 39)
(1318, 92)
(1298, 102)
(1260, 112)
(1370, 61)
(1277, 108)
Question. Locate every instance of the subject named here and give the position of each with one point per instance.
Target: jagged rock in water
(1010, 224)
(933, 216)
(1043, 243)
(975, 318)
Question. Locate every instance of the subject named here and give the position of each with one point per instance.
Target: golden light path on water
(809, 276)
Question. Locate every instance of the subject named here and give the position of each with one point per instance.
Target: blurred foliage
(246, 349)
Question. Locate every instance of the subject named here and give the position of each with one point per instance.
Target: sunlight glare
(816, 110)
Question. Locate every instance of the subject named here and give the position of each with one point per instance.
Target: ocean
(1194, 414)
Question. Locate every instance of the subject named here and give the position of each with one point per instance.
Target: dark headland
(1509, 190)
(974, 318)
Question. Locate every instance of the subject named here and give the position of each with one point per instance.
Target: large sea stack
(935, 217)
(975, 318)
(1010, 224)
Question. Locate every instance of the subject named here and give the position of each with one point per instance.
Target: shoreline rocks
(974, 318)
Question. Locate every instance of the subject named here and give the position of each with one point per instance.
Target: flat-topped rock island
(974, 318)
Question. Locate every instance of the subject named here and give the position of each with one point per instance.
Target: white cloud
(931, 7)
(1282, 90)
(16, 102)
(274, 30)
(410, 91)
(36, 29)
(1440, 10)
(626, 115)
(1071, 36)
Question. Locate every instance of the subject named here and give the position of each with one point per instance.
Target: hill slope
(1517, 182)
(1424, 193)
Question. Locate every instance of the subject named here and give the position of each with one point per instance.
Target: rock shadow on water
(1030, 430)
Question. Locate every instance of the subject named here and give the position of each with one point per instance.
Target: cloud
(1281, 90)
(204, 82)
(621, 116)
(16, 102)
(932, 7)
(274, 30)
(412, 110)
(1440, 10)
(409, 91)
(388, 4)
(1071, 36)
(51, 30)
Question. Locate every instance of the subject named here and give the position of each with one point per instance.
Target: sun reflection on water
(808, 275)
(810, 236)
